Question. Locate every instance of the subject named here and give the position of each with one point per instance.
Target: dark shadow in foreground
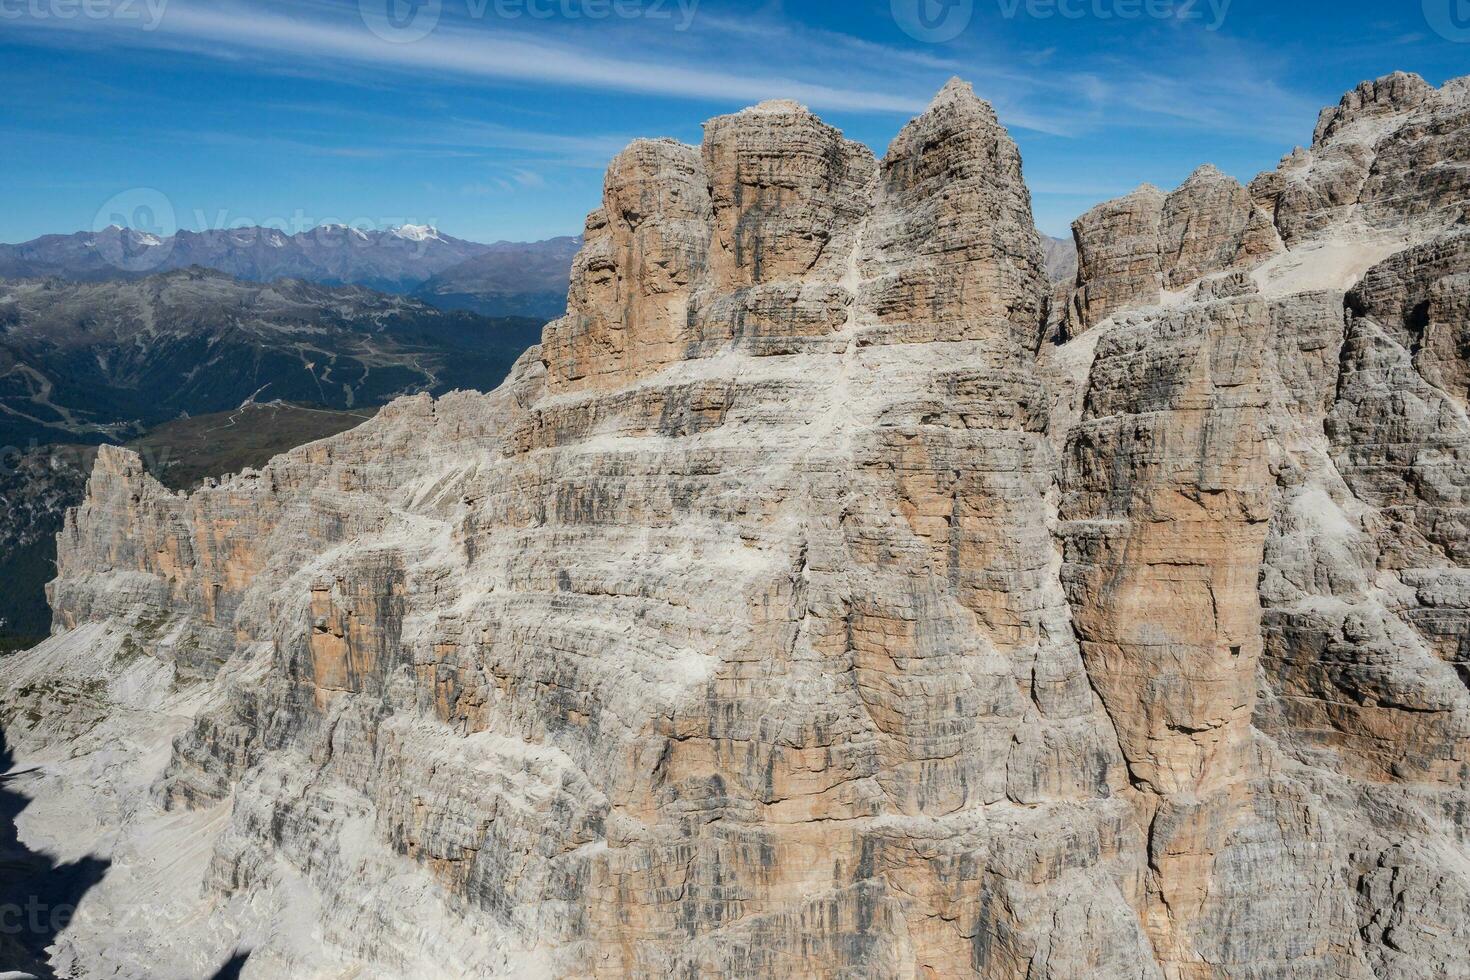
(37, 895)
(232, 967)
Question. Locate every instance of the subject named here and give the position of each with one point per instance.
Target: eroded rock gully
(803, 606)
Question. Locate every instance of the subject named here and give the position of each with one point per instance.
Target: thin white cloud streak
(473, 53)
(1200, 83)
(456, 136)
(474, 134)
(809, 40)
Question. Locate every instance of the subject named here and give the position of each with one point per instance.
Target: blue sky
(498, 122)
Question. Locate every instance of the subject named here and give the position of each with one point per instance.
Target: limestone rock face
(1390, 158)
(1119, 263)
(799, 608)
(1387, 166)
(1133, 249)
(1381, 98)
(1421, 297)
(629, 299)
(1211, 225)
(1403, 441)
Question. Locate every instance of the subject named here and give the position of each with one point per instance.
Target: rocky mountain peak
(956, 89)
(776, 107)
(1206, 172)
(693, 246)
(1359, 180)
(1390, 95)
(1366, 172)
(958, 95)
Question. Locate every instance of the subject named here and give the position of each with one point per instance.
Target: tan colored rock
(1421, 296)
(1380, 99)
(628, 304)
(1133, 249)
(1118, 258)
(787, 192)
(951, 245)
(1210, 225)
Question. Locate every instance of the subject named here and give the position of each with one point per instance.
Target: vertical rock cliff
(800, 608)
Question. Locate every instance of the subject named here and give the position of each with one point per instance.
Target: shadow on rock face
(232, 967)
(37, 895)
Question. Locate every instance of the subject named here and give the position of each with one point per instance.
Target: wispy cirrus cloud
(1173, 78)
(474, 135)
(466, 51)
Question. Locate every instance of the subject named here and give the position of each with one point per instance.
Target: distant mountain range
(99, 361)
(508, 279)
(1061, 259)
(501, 279)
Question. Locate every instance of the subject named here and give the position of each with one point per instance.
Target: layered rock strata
(1131, 251)
(796, 610)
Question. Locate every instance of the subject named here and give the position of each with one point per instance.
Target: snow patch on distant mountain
(417, 233)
